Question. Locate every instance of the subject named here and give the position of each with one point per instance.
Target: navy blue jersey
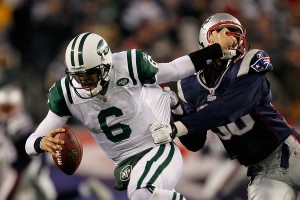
(238, 109)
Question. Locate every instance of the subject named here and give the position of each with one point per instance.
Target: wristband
(174, 131)
(37, 145)
(180, 129)
(175, 106)
(203, 57)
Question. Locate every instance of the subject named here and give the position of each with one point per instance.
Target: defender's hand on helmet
(163, 132)
(226, 41)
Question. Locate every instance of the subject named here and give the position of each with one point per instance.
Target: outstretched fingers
(225, 39)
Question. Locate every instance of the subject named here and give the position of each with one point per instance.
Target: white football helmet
(88, 53)
(219, 21)
(11, 100)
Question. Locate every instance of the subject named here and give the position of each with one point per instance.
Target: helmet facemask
(90, 87)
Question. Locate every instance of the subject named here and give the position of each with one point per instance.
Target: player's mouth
(88, 86)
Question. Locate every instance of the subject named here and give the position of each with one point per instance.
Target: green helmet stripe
(72, 51)
(80, 54)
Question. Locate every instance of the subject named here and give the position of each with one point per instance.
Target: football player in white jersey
(117, 97)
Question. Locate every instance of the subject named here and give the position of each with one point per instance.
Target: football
(69, 159)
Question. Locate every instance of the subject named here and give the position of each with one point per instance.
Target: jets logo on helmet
(88, 54)
(102, 48)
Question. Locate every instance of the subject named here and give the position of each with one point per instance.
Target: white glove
(162, 132)
(175, 104)
(173, 97)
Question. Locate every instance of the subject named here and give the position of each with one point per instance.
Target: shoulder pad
(255, 61)
(180, 92)
(56, 100)
(146, 67)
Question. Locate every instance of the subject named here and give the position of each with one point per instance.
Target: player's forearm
(179, 68)
(50, 122)
(31, 142)
(185, 66)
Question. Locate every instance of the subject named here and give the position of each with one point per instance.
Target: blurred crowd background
(34, 35)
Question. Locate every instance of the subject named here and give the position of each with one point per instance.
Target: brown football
(69, 158)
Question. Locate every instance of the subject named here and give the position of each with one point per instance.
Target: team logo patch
(73, 154)
(122, 81)
(261, 63)
(125, 173)
(102, 49)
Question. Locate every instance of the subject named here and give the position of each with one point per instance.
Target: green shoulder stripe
(130, 68)
(146, 67)
(56, 100)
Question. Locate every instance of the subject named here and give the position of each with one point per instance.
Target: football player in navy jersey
(232, 98)
(20, 176)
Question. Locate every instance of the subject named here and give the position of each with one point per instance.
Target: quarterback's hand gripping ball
(69, 158)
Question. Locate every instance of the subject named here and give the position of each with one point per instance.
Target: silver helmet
(219, 21)
(88, 53)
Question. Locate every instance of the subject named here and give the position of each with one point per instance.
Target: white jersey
(119, 120)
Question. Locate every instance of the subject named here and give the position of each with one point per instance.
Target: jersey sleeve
(56, 100)
(146, 67)
(50, 122)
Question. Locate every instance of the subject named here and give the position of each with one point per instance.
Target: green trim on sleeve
(129, 61)
(56, 100)
(67, 84)
(146, 67)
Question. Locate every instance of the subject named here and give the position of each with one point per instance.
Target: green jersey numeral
(108, 130)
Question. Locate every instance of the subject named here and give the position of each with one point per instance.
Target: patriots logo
(261, 63)
(205, 22)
